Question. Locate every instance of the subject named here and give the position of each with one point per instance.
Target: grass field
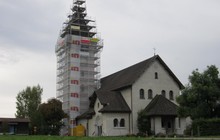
(66, 138)
(12, 137)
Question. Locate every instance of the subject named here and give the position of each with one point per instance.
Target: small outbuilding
(14, 126)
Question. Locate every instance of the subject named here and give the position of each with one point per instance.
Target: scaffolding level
(78, 51)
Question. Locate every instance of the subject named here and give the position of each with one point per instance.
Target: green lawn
(69, 138)
(12, 137)
(65, 138)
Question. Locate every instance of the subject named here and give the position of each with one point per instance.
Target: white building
(148, 85)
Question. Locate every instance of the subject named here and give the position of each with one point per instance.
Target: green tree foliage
(206, 127)
(52, 114)
(201, 97)
(143, 123)
(27, 105)
(28, 101)
(4, 127)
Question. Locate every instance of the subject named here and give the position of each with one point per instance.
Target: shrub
(160, 135)
(206, 127)
(143, 123)
(188, 130)
(141, 134)
(130, 135)
(171, 135)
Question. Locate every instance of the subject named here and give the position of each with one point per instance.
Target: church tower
(78, 63)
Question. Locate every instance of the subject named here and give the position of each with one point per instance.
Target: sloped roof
(87, 115)
(124, 77)
(108, 94)
(112, 102)
(128, 76)
(161, 106)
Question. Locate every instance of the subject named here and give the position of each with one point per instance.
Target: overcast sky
(185, 33)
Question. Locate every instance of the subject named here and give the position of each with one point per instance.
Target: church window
(150, 94)
(156, 75)
(179, 120)
(163, 92)
(122, 123)
(141, 94)
(162, 123)
(171, 95)
(115, 122)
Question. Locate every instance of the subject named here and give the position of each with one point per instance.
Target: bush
(5, 127)
(206, 127)
(160, 135)
(141, 134)
(171, 135)
(188, 130)
(130, 135)
(143, 123)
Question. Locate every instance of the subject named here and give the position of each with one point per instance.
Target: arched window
(122, 123)
(156, 75)
(171, 95)
(115, 122)
(163, 92)
(150, 94)
(142, 94)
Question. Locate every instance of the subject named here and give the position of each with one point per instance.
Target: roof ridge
(131, 66)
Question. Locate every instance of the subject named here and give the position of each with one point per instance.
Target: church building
(150, 86)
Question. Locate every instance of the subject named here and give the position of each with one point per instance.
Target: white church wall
(97, 120)
(147, 81)
(181, 124)
(108, 126)
(126, 93)
(158, 127)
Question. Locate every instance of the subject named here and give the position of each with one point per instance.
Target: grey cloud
(9, 56)
(31, 24)
(186, 34)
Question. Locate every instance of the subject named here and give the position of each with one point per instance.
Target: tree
(200, 98)
(143, 123)
(28, 101)
(27, 104)
(5, 127)
(52, 114)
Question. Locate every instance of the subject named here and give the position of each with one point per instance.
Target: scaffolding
(78, 51)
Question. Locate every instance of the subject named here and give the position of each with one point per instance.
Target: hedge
(206, 127)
